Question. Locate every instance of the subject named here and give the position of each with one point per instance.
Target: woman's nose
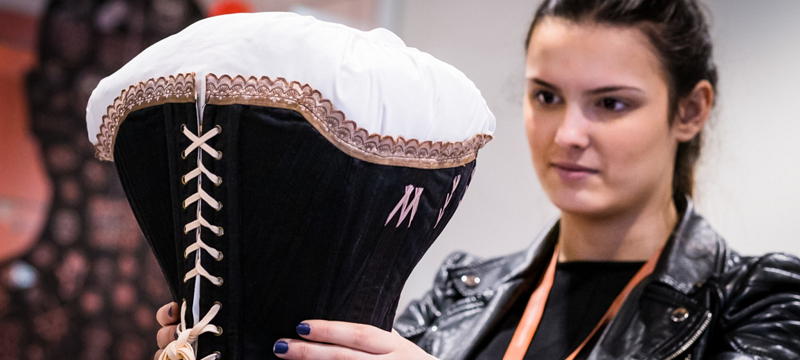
(573, 132)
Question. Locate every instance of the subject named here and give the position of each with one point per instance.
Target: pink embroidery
(405, 207)
(471, 176)
(447, 200)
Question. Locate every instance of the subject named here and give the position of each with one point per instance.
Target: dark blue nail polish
(280, 347)
(169, 312)
(303, 329)
(176, 335)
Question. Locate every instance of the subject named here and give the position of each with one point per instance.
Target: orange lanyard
(533, 312)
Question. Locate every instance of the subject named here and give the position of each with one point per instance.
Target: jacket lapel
(505, 282)
(661, 318)
(666, 313)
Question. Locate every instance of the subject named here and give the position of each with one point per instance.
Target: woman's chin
(580, 202)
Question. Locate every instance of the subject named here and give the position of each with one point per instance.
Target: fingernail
(280, 347)
(176, 335)
(169, 312)
(303, 329)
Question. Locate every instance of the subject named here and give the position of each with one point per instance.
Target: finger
(361, 337)
(304, 350)
(166, 335)
(168, 314)
(158, 354)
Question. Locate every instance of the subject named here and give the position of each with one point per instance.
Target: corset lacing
(182, 348)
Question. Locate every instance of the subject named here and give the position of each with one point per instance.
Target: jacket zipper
(691, 341)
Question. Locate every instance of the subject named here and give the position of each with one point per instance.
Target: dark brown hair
(678, 31)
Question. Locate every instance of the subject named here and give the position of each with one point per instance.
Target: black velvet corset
(294, 227)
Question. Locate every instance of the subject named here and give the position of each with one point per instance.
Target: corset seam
(184, 346)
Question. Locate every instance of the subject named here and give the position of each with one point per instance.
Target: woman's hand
(167, 317)
(333, 340)
(337, 340)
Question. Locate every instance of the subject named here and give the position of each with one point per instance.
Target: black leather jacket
(703, 301)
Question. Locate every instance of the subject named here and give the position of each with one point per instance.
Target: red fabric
(223, 7)
(25, 189)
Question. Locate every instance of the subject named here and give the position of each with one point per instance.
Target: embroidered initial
(405, 207)
(447, 199)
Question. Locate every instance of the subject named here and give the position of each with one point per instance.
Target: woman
(618, 93)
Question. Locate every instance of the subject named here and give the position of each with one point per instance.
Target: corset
(283, 168)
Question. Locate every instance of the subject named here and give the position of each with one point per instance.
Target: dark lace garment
(305, 229)
(283, 200)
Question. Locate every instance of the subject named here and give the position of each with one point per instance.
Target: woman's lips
(573, 172)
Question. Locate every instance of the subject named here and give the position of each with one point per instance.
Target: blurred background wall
(748, 183)
(77, 280)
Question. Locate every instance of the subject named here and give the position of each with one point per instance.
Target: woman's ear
(693, 112)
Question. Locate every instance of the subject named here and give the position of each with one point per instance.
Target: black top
(581, 294)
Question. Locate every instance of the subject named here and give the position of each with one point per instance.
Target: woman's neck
(634, 235)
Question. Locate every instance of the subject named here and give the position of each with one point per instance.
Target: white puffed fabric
(372, 76)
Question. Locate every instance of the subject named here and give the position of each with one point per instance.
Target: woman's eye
(612, 104)
(546, 98)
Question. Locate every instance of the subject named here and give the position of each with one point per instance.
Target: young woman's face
(596, 113)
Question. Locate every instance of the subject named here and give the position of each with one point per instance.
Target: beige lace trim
(318, 111)
(331, 123)
(174, 89)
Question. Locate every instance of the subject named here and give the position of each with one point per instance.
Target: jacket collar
(514, 268)
(693, 240)
(691, 255)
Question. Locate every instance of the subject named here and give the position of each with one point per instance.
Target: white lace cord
(197, 171)
(217, 230)
(201, 142)
(200, 244)
(182, 347)
(199, 270)
(202, 195)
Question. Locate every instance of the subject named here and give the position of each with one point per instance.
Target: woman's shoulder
(759, 311)
(776, 263)
(697, 253)
(745, 276)
(469, 273)
(463, 281)
(472, 274)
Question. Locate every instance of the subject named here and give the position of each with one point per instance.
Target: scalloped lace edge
(345, 134)
(173, 89)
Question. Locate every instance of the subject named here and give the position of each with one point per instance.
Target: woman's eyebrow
(613, 88)
(541, 82)
(596, 91)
